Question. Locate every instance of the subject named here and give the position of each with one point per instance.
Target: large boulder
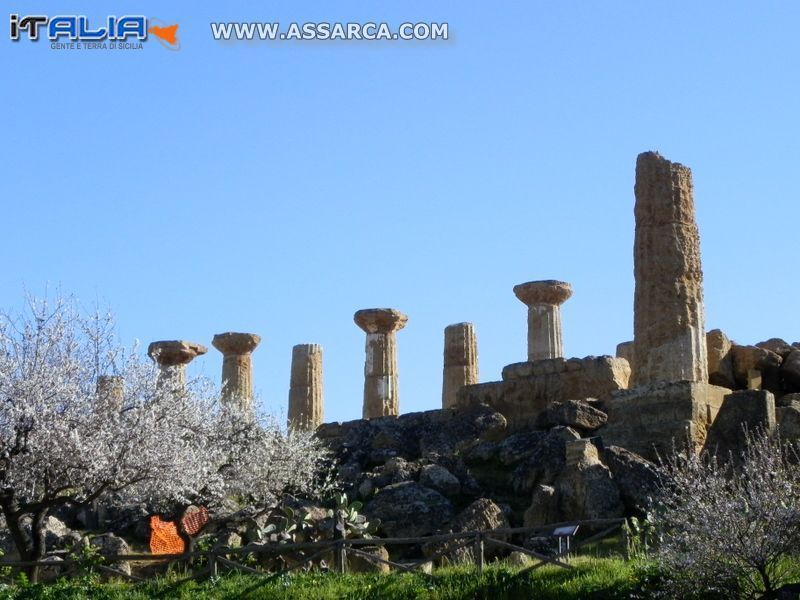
(746, 358)
(544, 507)
(636, 477)
(585, 487)
(481, 515)
(790, 371)
(545, 461)
(742, 411)
(720, 359)
(577, 414)
(409, 509)
(440, 479)
(788, 420)
(776, 345)
(109, 544)
(363, 564)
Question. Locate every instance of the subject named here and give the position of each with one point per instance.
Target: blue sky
(277, 188)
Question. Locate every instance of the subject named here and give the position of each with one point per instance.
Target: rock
(440, 479)
(409, 509)
(398, 469)
(518, 559)
(776, 345)
(746, 358)
(481, 515)
(788, 420)
(111, 545)
(720, 359)
(58, 535)
(625, 350)
(544, 507)
(48, 574)
(792, 399)
(542, 465)
(790, 371)
(362, 564)
(572, 413)
(585, 487)
(229, 539)
(518, 446)
(636, 478)
(742, 411)
(669, 333)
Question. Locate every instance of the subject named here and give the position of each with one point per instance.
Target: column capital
(380, 320)
(171, 353)
(548, 291)
(233, 342)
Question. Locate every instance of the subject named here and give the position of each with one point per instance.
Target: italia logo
(77, 28)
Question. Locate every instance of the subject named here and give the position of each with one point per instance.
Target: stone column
(305, 387)
(544, 300)
(381, 396)
(172, 357)
(668, 323)
(237, 367)
(460, 361)
(111, 391)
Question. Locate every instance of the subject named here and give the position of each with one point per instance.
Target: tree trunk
(39, 542)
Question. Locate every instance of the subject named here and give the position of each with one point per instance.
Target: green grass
(591, 579)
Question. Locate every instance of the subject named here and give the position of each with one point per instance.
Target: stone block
(742, 411)
(651, 419)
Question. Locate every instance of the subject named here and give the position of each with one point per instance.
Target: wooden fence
(297, 555)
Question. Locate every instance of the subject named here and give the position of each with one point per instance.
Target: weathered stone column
(111, 391)
(668, 324)
(544, 300)
(381, 396)
(460, 361)
(305, 387)
(237, 367)
(172, 357)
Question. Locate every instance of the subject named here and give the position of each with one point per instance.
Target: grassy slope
(592, 578)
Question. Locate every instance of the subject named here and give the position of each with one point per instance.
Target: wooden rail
(339, 549)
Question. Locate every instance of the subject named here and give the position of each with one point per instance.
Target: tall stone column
(381, 396)
(460, 361)
(111, 391)
(305, 387)
(237, 367)
(544, 300)
(172, 356)
(668, 323)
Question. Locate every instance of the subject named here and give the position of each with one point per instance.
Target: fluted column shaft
(110, 391)
(306, 408)
(460, 361)
(237, 367)
(381, 395)
(544, 300)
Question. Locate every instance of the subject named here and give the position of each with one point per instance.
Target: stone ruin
(556, 438)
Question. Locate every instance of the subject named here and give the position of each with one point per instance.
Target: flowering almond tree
(731, 528)
(62, 442)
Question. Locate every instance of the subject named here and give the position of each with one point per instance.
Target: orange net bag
(194, 519)
(164, 538)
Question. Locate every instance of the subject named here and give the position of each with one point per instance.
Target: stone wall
(528, 388)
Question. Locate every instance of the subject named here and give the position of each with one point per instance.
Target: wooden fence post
(478, 551)
(212, 563)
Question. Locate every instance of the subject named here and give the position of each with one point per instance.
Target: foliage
(349, 521)
(731, 527)
(640, 535)
(163, 442)
(591, 579)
